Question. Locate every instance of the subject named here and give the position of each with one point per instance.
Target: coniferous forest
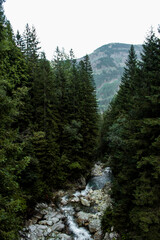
(131, 142)
(49, 133)
(48, 124)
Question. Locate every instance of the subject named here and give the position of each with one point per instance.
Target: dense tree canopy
(48, 124)
(49, 129)
(131, 138)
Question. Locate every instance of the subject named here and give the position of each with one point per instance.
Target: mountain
(108, 63)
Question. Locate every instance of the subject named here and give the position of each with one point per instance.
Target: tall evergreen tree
(87, 111)
(135, 159)
(48, 123)
(12, 159)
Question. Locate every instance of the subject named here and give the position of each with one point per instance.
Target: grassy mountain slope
(108, 62)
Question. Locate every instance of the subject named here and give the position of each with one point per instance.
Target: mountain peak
(108, 62)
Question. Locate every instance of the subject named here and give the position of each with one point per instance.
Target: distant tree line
(131, 142)
(48, 124)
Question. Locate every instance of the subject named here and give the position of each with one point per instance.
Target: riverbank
(73, 215)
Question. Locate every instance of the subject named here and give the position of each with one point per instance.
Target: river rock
(60, 236)
(64, 201)
(106, 237)
(34, 219)
(60, 193)
(98, 235)
(94, 225)
(40, 206)
(54, 217)
(64, 237)
(110, 236)
(97, 170)
(49, 222)
(36, 232)
(83, 218)
(60, 216)
(58, 226)
(85, 202)
(113, 235)
(47, 232)
(75, 199)
(82, 182)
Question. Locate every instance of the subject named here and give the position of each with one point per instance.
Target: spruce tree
(134, 161)
(12, 159)
(145, 215)
(88, 114)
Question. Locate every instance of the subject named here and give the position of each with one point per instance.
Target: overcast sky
(84, 25)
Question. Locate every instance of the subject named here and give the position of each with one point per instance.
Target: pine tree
(118, 125)
(12, 159)
(135, 159)
(76, 105)
(88, 114)
(145, 214)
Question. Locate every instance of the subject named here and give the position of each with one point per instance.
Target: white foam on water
(83, 192)
(79, 233)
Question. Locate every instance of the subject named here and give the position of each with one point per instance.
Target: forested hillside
(49, 133)
(108, 63)
(131, 142)
(48, 124)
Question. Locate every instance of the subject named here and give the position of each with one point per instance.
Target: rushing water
(79, 233)
(48, 217)
(97, 182)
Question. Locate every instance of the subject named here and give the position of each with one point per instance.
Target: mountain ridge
(108, 62)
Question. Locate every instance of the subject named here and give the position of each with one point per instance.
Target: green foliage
(12, 163)
(106, 221)
(131, 137)
(44, 146)
(48, 124)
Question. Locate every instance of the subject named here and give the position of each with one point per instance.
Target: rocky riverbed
(73, 215)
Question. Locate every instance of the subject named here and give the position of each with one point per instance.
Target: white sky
(84, 25)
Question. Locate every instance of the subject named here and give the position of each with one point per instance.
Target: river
(77, 216)
(95, 183)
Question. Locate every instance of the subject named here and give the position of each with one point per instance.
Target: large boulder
(83, 218)
(58, 226)
(64, 201)
(75, 199)
(37, 232)
(94, 225)
(85, 202)
(97, 170)
(45, 222)
(98, 235)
